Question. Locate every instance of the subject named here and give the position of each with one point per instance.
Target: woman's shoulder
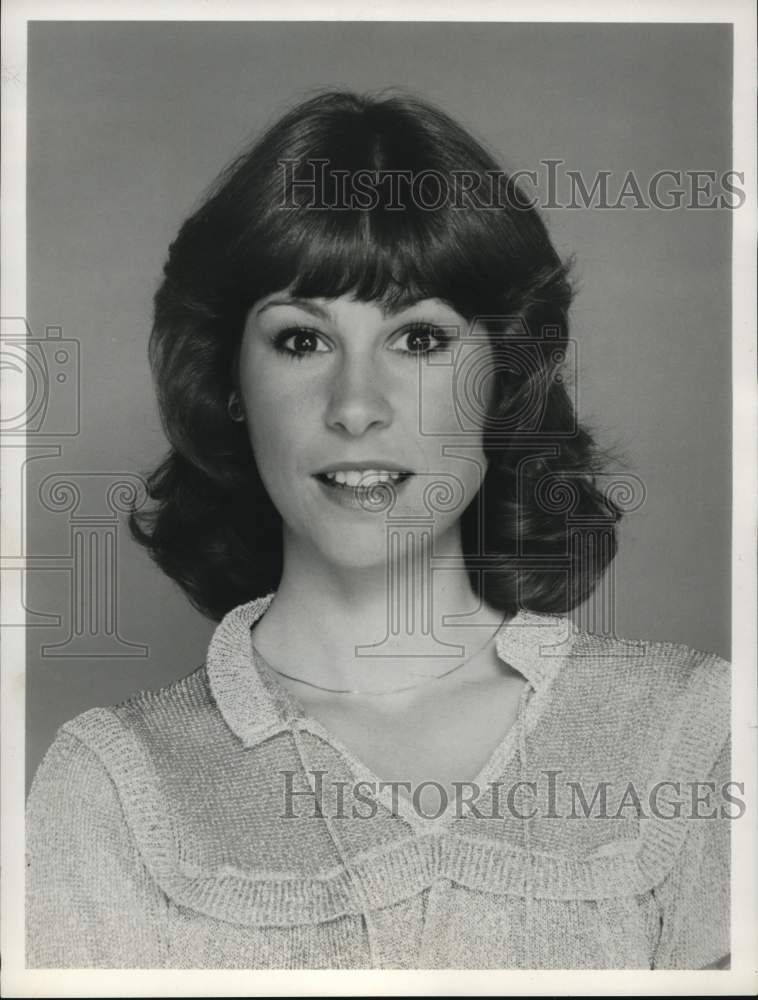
(186, 697)
(142, 732)
(630, 671)
(647, 671)
(665, 704)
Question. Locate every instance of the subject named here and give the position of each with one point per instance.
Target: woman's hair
(458, 229)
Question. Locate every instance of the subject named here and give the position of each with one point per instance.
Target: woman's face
(341, 395)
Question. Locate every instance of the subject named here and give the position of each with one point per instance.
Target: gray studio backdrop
(129, 122)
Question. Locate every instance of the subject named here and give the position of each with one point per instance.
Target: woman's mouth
(362, 489)
(354, 478)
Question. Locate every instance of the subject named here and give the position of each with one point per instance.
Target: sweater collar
(255, 706)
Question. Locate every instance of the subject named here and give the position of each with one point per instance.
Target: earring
(234, 408)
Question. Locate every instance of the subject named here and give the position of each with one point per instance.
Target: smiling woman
(399, 752)
(352, 421)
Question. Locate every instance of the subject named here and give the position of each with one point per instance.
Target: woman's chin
(368, 546)
(358, 548)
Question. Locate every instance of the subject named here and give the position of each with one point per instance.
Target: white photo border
(742, 977)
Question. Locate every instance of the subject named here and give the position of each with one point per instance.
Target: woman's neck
(373, 627)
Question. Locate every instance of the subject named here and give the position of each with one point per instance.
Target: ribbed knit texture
(156, 835)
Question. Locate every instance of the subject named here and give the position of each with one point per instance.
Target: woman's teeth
(365, 479)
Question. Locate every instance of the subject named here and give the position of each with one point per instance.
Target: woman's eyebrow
(445, 314)
(305, 304)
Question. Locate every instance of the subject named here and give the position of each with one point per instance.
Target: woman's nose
(358, 400)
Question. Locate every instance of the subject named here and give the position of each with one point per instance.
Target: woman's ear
(234, 408)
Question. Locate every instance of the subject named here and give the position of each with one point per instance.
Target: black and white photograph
(379, 474)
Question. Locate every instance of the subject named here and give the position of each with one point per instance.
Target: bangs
(394, 258)
(359, 257)
(280, 217)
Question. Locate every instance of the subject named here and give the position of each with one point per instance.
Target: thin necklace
(375, 694)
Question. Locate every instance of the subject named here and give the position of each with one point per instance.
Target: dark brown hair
(211, 526)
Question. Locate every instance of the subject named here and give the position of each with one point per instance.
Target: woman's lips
(374, 498)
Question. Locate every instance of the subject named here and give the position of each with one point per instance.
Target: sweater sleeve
(90, 901)
(694, 898)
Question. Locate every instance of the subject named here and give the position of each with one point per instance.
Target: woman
(398, 753)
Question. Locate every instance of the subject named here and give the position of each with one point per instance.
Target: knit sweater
(160, 832)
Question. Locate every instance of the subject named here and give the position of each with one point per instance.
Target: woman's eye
(298, 342)
(422, 338)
